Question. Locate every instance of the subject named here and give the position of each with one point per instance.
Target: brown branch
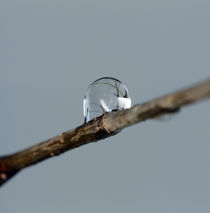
(99, 128)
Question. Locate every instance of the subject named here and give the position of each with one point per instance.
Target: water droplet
(105, 95)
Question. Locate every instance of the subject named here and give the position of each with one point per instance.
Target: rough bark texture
(99, 128)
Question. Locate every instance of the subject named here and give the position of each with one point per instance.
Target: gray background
(52, 50)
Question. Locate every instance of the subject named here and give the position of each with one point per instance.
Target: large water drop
(105, 95)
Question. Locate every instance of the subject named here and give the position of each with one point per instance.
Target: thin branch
(100, 128)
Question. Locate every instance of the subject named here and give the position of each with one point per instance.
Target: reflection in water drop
(105, 95)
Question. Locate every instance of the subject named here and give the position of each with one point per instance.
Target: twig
(99, 128)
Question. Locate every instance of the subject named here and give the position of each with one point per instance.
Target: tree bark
(100, 128)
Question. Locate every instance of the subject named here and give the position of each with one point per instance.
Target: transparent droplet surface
(105, 95)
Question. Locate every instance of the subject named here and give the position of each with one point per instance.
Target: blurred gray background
(50, 51)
